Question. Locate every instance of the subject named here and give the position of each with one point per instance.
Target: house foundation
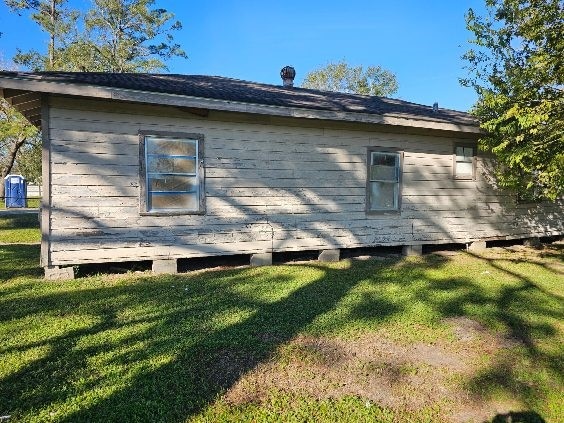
(165, 266)
(532, 242)
(54, 273)
(261, 259)
(477, 246)
(327, 256)
(412, 250)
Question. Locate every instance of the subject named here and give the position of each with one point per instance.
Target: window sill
(383, 212)
(173, 213)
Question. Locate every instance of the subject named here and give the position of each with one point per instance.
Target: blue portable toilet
(15, 191)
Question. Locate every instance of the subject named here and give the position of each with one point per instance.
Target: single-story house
(163, 167)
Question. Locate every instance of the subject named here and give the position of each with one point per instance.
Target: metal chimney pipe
(288, 73)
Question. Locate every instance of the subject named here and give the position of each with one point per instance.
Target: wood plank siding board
(95, 239)
(288, 186)
(106, 214)
(103, 164)
(478, 220)
(69, 220)
(412, 203)
(114, 122)
(89, 209)
(82, 229)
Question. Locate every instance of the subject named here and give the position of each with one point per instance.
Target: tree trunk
(52, 41)
(12, 153)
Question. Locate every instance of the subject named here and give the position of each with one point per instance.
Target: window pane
(464, 154)
(172, 183)
(385, 159)
(171, 146)
(464, 168)
(385, 173)
(383, 196)
(159, 201)
(171, 165)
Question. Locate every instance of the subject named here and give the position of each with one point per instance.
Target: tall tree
(517, 69)
(341, 77)
(111, 36)
(56, 19)
(127, 36)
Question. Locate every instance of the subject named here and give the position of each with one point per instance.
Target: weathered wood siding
(272, 184)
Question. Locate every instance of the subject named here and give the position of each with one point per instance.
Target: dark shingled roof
(221, 88)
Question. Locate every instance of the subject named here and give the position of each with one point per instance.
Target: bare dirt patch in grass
(465, 329)
(383, 371)
(228, 366)
(517, 253)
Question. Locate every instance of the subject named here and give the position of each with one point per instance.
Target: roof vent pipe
(288, 73)
(435, 107)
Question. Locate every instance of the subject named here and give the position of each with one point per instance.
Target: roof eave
(83, 90)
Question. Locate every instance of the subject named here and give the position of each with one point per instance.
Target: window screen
(383, 181)
(464, 162)
(172, 174)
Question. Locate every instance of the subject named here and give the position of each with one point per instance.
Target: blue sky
(420, 41)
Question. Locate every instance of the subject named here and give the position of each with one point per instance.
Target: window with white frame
(464, 162)
(171, 173)
(383, 182)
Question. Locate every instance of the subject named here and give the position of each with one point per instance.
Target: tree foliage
(28, 161)
(56, 19)
(15, 132)
(125, 36)
(111, 36)
(517, 69)
(344, 78)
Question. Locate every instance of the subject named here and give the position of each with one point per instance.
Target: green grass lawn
(435, 338)
(32, 203)
(19, 228)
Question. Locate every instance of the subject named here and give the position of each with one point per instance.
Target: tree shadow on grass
(19, 260)
(518, 417)
(517, 303)
(19, 221)
(175, 335)
(164, 348)
(521, 310)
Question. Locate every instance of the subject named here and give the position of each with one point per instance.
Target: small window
(464, 162)
(383, 188)
(171, 173)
